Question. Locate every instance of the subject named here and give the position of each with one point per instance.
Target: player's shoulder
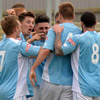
(72, 28)
(98, 33)
(84, 34)
(76, 37)
(15, 41)
(51, 29)
(87, 33)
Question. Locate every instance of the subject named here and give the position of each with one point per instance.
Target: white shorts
(36, 93)
(21, 98)
(49, 91)
(79, 96)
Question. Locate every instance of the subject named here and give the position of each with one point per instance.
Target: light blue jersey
(85, 62)
(14, 65)
(20, 38)
(57, 69)
(39, 69)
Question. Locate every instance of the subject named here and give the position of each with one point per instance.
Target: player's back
(57, 69)
(13, 70)
(9, 68)
(87, 77)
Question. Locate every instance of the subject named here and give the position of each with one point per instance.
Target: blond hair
(66, 9)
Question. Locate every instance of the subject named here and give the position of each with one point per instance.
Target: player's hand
(32, 76)
(58, 29)
(33, 33)
(11, 12)
(37, 36)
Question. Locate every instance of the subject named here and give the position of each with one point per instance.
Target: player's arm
(40, 58)
(58, 29)
(70, 45)
(11, 12)
(36, 37)
(48, 46)
(28, 50)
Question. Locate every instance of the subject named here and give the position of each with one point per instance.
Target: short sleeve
(27, 49)
(50, 40)
(70, 45)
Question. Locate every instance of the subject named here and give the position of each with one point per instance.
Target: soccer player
(41, 27)
(27, 22)
(57, 77)
(14, 81)
(16, 9)
(85, 58)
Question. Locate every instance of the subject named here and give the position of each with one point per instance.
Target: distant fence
(78, 14)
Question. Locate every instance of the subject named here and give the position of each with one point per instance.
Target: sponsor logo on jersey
(46, 38)
(19, 38)
(27, 47)
(72, 42)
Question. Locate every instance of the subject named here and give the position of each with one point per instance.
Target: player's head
(11, 25)
(18, 5)
(42, 25)
(57, 19)
(66, 10)
(19, 11)
(88, 19)
(27, 21)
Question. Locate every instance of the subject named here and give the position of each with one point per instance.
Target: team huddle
(42, 63)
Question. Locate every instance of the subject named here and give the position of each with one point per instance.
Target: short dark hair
(17, 5)
(88, 18)
(8, 24)
(25, 14)
(41, 19)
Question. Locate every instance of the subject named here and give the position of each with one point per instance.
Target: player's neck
(66, 21)
(89, 29)
(11, 36)
(26, 37)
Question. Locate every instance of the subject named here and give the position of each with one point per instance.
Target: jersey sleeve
(27, 49)
(50, 40)
(70, 45)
